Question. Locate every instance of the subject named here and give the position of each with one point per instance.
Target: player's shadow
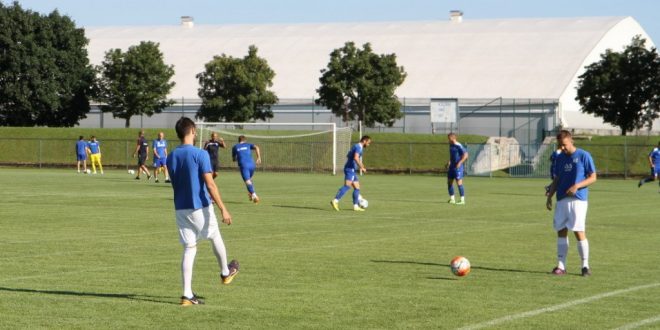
(129, 296)
(302, 207)
(508, 270)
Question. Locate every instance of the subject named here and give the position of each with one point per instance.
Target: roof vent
(456, 16)
(187, 21)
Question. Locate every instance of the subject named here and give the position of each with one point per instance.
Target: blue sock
(450, 188)
(250, 188)
(341, 192)
(461, 190)
(356, 196)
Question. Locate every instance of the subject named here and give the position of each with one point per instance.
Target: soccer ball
(460, 266)
(363, 202)
(89, 171)
(131, 172)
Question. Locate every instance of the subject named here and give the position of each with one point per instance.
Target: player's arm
(153, 146)
(137, 148)
(222, 143)
(551, 192)
(584, 183)
(215, 195)
(358, 161)
(651, 161)
(206, 145)
(233, 154)
(256, 149)
(463, 159)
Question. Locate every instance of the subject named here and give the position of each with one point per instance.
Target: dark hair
(81, 137)
(451, 134)
(93, 137)
(563, 134)
(365, 138)
(241, 138)
(183, 127)
(140, 133)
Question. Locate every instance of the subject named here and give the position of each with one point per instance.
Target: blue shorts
(160, 162)
(456, 174)
(655, 171)
(81, 157)
(246, 172)
(350, 175)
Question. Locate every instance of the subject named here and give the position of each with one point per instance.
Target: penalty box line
(641, 323)
(548, 309)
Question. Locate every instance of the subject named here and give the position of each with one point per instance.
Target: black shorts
(215, 165)
(142, 159)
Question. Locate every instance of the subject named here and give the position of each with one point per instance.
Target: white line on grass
(641, 323)
(548, 309)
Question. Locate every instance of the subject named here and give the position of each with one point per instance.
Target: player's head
(565, 141)
(140, 133)
(214, 136)
(365, 140)
(241, 139)
(93, 138)
(451, 137)
(80, 138)
(161, 135)
(184, 127)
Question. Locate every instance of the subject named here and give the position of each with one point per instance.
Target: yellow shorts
(95, 158)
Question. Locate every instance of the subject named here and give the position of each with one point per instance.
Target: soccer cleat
(558, 271)
(167, 180)
(460, 203)
(148, 177)
(641, 182)
(334, 204)
(249, 196)
(358, 208)
(452, 201)
(137, 178)
(255, 198)
(156, 180)
(233, 271)
(586, 271)
(191, 301)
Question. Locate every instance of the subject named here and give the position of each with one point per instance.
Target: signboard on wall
(444, 111)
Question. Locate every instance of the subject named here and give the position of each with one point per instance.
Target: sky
(93, 13)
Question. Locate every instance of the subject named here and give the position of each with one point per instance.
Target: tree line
(46, 80)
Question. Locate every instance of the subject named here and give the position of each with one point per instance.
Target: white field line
(554, 308)
(641, 323)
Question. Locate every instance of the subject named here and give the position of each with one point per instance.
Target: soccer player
(94, 150)
(242, 153)
(574, 172)
(81, 154)
(553, 162)
(458, 155)
(160, 156)
(212, 146)
(353, 164)
(654, 162)
(192, 182)
(142, 151)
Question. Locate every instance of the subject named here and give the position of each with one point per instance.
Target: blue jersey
(160, 146)
(553, 162)
(187, 166)
(242, 153)
(350, 157)
(81, 147)
(94, 147)
(456, 152)
(655, 158)
(571, 169)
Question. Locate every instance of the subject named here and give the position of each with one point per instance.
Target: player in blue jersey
(242, 154)
(553, 161)
(458, 155)
(94, 150)
(351, 168)
(654, 162)
(81, 154)
(574, 172)
(192, 182)
(142, 152)
(160, 156)
(212, 146)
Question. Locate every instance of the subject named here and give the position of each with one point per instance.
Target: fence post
(410, 147)
(625, 157)
(127, 160)
(39, 158)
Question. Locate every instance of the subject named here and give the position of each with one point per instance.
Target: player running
(160, 156)
(458, 155)
(574, 172)
(81, 154)
(192, 182)
(242, 153)
(353, 164)
(654, 162)
(142, 151)
(212, 146)
(94, 150)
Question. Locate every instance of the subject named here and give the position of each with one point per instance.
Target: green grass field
(82, 251)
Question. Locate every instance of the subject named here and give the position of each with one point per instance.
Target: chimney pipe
(456, 16)
(187, 21)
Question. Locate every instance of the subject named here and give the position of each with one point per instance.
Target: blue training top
(94, 146)
(81, 146)
(553, 162)
(655, 157)
(242, 152)
(160, 146)
(456, 152)
(187, 166)
(571, 169)
(350, 157)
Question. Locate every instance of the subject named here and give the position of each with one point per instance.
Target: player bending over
(192, 182)
(654, 162)
(458, 155)
(574, 172)
(142, 151)
(81, 154)
(160, 156)
(353, 164)
(242, 153)
(94, 150)
(212, 146)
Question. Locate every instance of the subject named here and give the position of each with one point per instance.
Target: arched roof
(511, 58)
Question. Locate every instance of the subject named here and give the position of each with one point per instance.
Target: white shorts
(195, 225)
(570, 213)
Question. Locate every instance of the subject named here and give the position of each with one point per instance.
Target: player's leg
(349, 174)
(100, 165)
(450, 188)
(167, 173)
(577, 223)
(212, 231)
(78, 165)
(356, 195)
(560, 221)
(85, 164)
(461, 190)
(652, 177)
(156, 170)
(189, 223)
(93, 160)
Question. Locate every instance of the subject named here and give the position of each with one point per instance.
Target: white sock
(452, 197)
(462, 198)
(562, 251)
(583, 250)
(220, 252)
(187, 263)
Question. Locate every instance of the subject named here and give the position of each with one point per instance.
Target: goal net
(293, 147)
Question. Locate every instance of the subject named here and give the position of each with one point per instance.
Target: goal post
(292, 147)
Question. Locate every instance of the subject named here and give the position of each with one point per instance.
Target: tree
(236, 89)
(360, 84)
(136, 82)
(45, 75)
(623, 87)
